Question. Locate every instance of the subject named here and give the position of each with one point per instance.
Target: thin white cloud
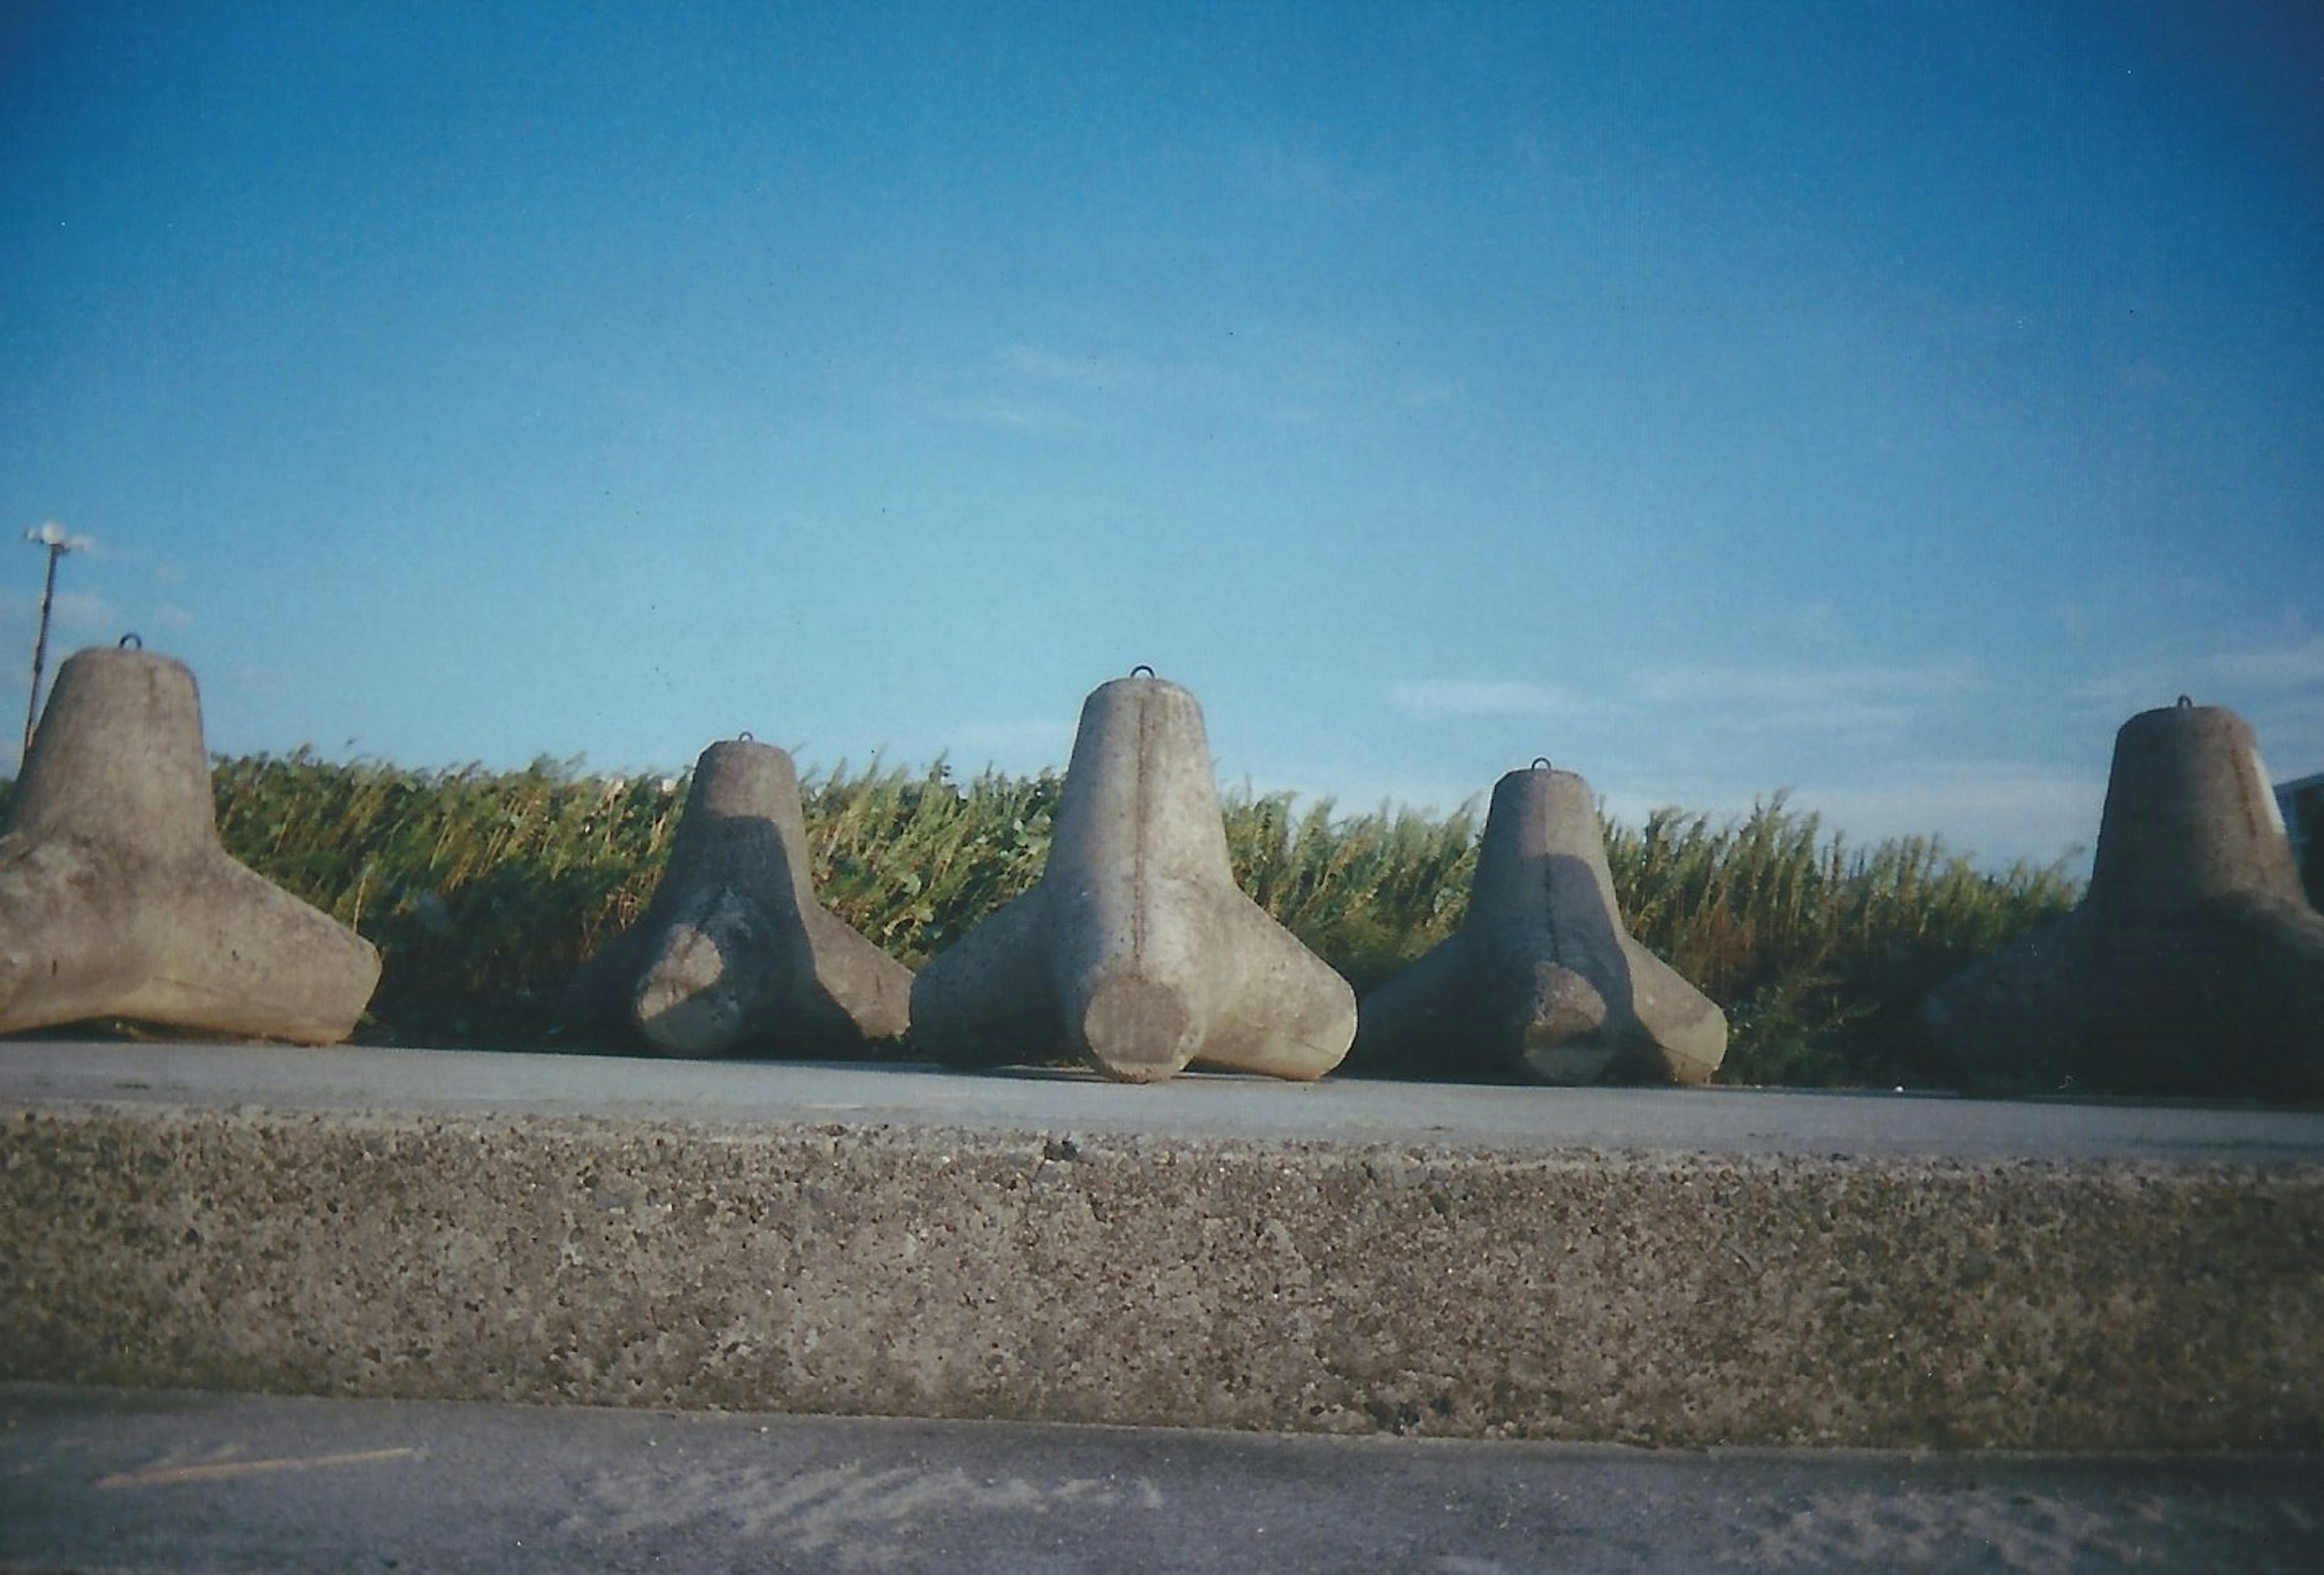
(1032, 388)
(1994, 811)
(1097, 373)
(1015, 414)
(259, 678)
(2278, 688)
(1283, 375)
(2127, 691)
(1841, 699)
(80, 610)
(1484, 697)
(1805, 699)
(1432, 394)
(2286, 666)
(1823, 716)
(1803, 687)
(1282, 171)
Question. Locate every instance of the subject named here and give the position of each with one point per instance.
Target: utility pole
(53, 536)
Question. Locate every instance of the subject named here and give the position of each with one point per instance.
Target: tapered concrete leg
(1135, 951)
(992, 1002)
(732, 950)
(1542, 981)
(2194, 963)
(117, 899)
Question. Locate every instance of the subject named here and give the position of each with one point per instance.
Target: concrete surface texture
(890, 1242)
(166, 1482)
(1135, 951)
(2194, 963)
(1542, 978)
(732, 950)
(117, 899)
(1339, 1111)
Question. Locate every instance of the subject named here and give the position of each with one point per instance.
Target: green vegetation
(484, 890)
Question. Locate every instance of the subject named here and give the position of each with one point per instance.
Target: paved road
(1693, 1120)
(119, 1482)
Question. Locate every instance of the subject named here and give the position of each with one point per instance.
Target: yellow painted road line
(220, 1470)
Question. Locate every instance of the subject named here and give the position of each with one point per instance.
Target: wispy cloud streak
(1994, 811)
(2286, 666)
(1288, 377)
(1790, 699)
(1806, 699)
(1468, 697)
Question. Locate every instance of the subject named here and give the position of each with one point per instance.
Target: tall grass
(484, 890)
(1821, 954)
(1367, 893)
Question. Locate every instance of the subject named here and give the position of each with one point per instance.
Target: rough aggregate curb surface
(1686, 1299)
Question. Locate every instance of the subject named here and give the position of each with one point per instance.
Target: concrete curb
(1051, 1265)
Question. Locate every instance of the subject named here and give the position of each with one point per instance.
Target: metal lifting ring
(131, 642)
(744, 737)
(2184, 702)
(1541, 763)
(1141, 668)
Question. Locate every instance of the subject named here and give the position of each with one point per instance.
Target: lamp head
(53, 535)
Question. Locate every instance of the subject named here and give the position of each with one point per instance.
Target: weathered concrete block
(2194, 963)
(734, 952)
(117, 899)
(1135, 951)
(1543, 980)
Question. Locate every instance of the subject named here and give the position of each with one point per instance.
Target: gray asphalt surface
(113, 1481)
(1202, 1105)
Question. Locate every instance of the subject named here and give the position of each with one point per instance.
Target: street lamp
(53, 536)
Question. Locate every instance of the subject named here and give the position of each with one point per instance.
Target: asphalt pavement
(157, 1483)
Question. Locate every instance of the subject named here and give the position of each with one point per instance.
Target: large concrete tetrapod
(2193, 964)
(117, 899)
(1135, 951)
(1542, 981)
(732, 950)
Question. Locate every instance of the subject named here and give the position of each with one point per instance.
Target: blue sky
(1878, 402)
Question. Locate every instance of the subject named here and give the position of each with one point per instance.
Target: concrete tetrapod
(1135, 951)
(2193, 964)
(116, 899)
(732, 949)
(1542, 980)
